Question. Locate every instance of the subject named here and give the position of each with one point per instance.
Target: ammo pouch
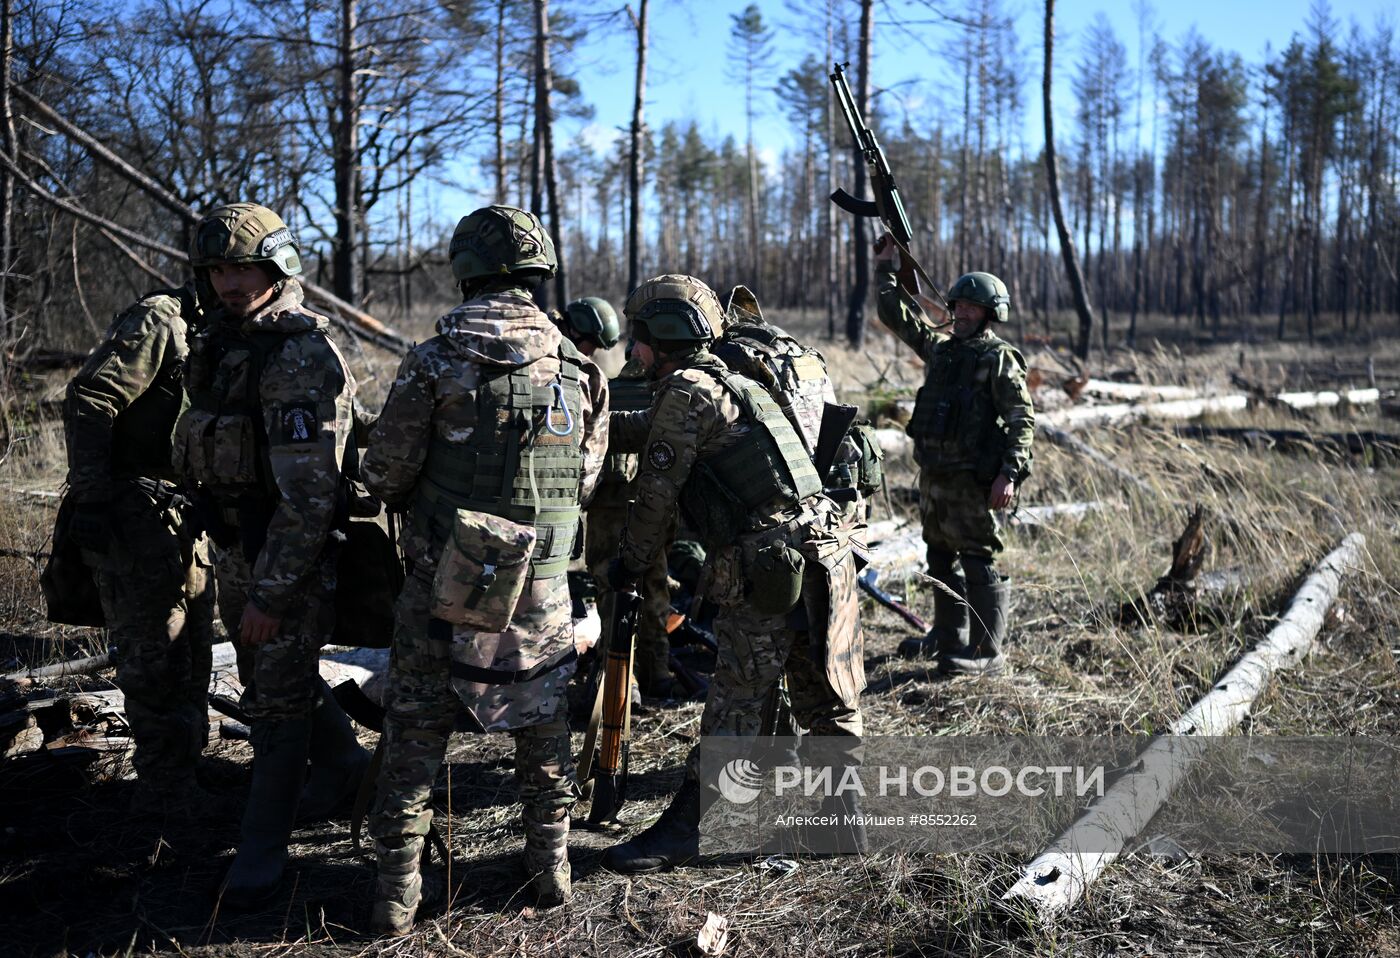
(482, 572)
(218, 450)
(774, 575)
(70, 588)
(711, 509)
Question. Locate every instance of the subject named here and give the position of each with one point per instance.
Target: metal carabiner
(562, 404)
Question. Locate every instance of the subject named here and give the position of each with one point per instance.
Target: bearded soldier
(492, 439)
(972, 428)
(270, 415)
(779, 565)
(591, 324)
(137, 535)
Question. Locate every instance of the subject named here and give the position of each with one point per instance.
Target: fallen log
(1372, 445)
(1057, 878)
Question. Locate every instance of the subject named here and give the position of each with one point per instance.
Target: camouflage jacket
(120, 409)
(271, 412)
(692, 417)
(998, 375)
(435, 394)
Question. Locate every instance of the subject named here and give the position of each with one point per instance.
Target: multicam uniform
(431, 451)
(973, 418)
(151, 566)
(607, 515)
(271, 400)
(713, 437)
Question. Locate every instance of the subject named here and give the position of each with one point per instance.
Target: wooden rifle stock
(610, 767)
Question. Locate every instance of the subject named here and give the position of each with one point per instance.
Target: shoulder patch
(299, 424)
(661, 454)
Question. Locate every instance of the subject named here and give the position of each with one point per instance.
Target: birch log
(1060, 875)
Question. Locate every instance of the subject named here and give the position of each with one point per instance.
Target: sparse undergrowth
(78, 872)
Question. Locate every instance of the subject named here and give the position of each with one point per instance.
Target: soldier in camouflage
(591, 324)
(972, 428)
(779, 564)
(264, 438)
(495, 416)
(151, 565)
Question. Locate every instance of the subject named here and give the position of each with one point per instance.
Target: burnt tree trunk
(348, 278)
(634, 154)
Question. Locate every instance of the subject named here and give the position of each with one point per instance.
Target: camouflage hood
(500, 329)
(284, 314)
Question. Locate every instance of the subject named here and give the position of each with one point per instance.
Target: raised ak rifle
(887, 206)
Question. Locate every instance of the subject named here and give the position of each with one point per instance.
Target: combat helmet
(595, 320)
(244, 233)
(984, 289)
(498, 241)
(674, 311)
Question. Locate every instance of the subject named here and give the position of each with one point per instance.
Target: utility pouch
(70, 590)
(774, 574)
(482, 572)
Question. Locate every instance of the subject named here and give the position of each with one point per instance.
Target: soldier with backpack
(491, 439)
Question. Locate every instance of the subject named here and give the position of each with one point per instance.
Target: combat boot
(338, 762)
(547, 855)
(279, 767)
(948, 637)
(673, 839)
(989, 601)
(402, 889)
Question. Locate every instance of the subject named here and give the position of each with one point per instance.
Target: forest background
(1216, 184)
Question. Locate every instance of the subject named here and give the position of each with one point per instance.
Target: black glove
(620, 578)
(91, 525)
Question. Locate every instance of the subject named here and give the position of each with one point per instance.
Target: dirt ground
(81, 874)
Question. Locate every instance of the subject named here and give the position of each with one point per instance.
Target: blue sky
(688, 78)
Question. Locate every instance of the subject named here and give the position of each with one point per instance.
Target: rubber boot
(949, 633)
(279, 767)
(547, 855)
(989, 601)
(402, 888)
(673, 839)
(338, 762)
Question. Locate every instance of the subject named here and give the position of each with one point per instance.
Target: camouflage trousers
(653, 644)
(158, 599)
(755, 650)
(422, 708)
(280, 678)
(955, 515)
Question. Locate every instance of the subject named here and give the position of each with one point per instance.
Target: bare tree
(1052, 173)
(635, 160)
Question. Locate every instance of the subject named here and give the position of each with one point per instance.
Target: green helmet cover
(675, 308)
(984, 289)
(501, 241)
(594, 319)
(244, 233)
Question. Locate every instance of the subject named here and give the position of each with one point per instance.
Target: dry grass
(78, 863)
